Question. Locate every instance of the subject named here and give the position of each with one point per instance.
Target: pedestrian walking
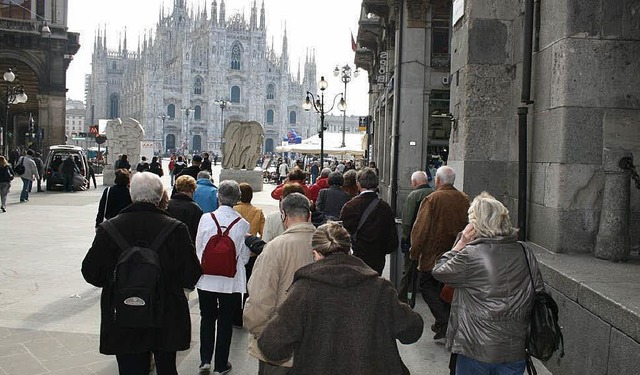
(370, 222)
(324, 334)
(441, 216)
(420, 184)
(6, 176)
(220, 288)
(143, 166)
(273, 274)
(156, 167)
(206, 194)
(114, 198)
(350, 184)
(40, 165)
(206, 163)
(69, 170)
(27, 166)
(331, 200)
(321, 183)
(273, 226)
(92, 176)
(491, 273)
(182, 207)
(133, 325)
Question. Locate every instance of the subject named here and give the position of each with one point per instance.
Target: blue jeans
(468, 366)
(26, 188)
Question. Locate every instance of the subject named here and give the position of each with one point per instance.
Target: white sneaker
(205, 367)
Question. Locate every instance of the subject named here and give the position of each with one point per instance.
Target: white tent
(354, 145)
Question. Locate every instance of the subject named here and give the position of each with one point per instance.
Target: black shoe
(226, 370)
(442, 332)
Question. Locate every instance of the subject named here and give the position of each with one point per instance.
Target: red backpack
(219, 256)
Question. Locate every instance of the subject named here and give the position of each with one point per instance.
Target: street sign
(93, 129)
(100, 139)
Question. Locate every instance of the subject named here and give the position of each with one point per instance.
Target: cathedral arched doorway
(268, 145)
(171, 142)
(197, 143)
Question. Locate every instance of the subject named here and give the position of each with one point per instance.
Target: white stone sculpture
(243, 145)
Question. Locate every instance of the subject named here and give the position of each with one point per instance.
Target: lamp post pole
(186, 132)
(223, 103)
(317, 103)
(345, 76)
(163, 117)
(13, 95)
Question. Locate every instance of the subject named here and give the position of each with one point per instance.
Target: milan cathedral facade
(177, 81)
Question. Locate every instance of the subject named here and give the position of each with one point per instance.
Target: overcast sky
(324, 25)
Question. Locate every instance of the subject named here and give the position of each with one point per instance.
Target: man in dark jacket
(69, 168)
(377, 237)
(331, 200)
(182, 207)
(193, 169)
(206, 163)
(141, 223)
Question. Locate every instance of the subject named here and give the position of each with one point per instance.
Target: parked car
(53, 163)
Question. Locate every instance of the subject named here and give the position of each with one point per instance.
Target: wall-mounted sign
(458, 10)
(383, 68)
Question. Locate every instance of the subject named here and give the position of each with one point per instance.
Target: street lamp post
(14, 94)
(316, 102)
(163, 117)
(223, 103)
(185, 143)
(345, 76)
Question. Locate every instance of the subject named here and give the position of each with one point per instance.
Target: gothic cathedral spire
(262, 25)
(223, 15)
(214, 13)
(253, 22)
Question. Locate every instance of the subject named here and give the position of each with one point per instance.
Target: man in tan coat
(442, 215)
(273, 274)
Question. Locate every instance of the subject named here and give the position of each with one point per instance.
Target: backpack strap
(364, 217)
(166, 231)
(115, 234)
(226, 232)
(526, 258)
(217, 224)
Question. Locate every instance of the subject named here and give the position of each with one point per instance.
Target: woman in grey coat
(331, 200)
(493, 294)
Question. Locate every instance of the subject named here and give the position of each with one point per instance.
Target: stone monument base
(253, 178)
(108, 175)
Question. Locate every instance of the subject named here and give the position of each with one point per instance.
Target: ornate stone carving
(243, 144)
(124, 138)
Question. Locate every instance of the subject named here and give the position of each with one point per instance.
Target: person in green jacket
(420, 184)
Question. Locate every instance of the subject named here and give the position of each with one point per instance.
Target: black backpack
(136, 299)
(20, 168)
(545, 335)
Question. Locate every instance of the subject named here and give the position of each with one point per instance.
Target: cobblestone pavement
(49, 316)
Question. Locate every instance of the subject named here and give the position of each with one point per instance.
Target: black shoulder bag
(363, 218)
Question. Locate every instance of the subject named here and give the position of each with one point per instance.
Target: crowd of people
(286, 277)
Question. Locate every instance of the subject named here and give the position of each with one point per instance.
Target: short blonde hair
(489, 217)
(331, 238)
(186, 184)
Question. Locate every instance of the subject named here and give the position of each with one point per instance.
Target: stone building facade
(404, 46)
(36, 44)
(193, 60)
(580, 115)
(75, 118)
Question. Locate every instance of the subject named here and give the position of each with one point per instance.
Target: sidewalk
(49, 316)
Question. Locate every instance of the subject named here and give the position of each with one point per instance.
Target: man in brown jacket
(441, 216)
(273, 274)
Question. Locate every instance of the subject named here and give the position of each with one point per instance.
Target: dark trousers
(409, 266)
(140, 363)
(216, 307)
(68, 182)
(430, 289)
(265, 368)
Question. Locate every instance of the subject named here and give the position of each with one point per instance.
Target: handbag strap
(364, 217)
(526, 258)
(106, 205)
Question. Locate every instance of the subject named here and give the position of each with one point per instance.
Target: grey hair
(146, 187)
(367, 178)
(446, 175)
(228, 193)
(204, 174)
(331, 238)
(335, 178)
(296, 205)
(419, 177)
(325, 173)
(489, 217)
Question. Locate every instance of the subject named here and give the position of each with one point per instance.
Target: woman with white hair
(494, 292)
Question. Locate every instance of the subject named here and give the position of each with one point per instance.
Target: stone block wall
(586, 92)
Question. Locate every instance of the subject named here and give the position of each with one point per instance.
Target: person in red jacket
(295, 176)
(322, 183)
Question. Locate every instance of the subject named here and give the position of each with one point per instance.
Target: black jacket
(377, 237)
(119, 198)
(183, 208)
(191, 170)
(69, 167)
(206, 165)
(331, 200)
(180, 269)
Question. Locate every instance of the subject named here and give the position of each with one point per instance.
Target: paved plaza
(49, 316)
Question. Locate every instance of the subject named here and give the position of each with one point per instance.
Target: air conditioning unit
(446, 80)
